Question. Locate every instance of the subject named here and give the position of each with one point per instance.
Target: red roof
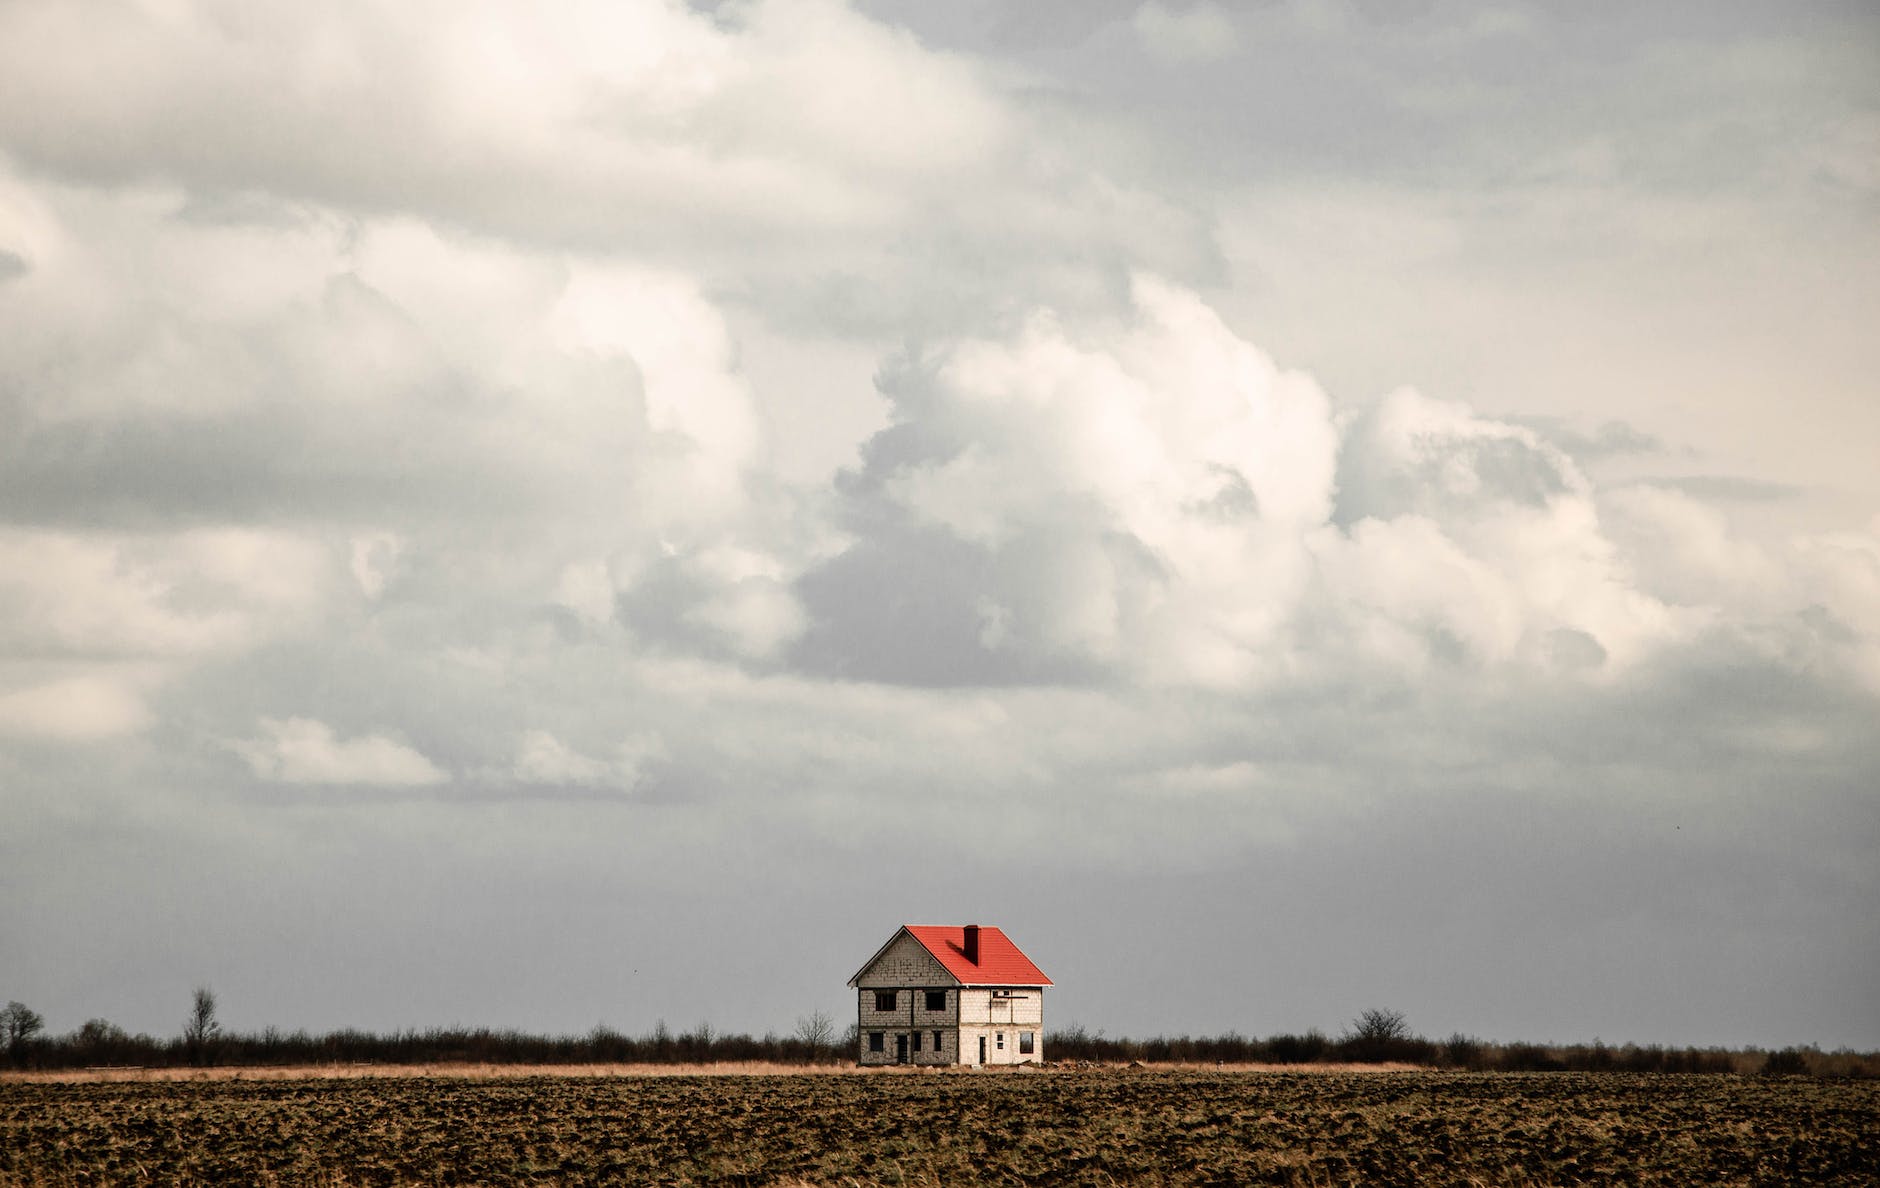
(1000, 962)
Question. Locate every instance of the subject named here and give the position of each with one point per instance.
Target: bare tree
(200, 1030)
(1379, 1034)
(19, 1023)
(816, 1030)
(1378, 1025)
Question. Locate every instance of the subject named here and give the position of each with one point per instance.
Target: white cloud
(374, 557)
(1482, 531)
(305, 751)
(387, 380)
(1841, 573)
(75, 709)
(173, 595)
(543, 759)
(1683, 551)
(1156, 499)
(833, 169)
(1140, 489)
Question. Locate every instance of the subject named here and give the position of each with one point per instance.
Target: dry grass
(301, 1072)
(752, 1068)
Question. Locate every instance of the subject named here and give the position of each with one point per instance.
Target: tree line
(1384, 1037)
(1374, 1037)
(203, 1041)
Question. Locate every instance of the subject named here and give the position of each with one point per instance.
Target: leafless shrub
(817, 1030)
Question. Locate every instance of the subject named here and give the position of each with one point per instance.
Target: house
(942, 994)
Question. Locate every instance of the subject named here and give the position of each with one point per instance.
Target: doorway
(900, 1048)
(982, 1049)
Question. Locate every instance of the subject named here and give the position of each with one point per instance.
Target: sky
(545, 515)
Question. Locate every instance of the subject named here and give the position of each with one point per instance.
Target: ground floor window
(917, 1041)
(1024, 1043)
(874, 1042)
(1001, 1041)
(937, 1044)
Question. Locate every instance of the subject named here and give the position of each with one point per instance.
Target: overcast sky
(537, 515)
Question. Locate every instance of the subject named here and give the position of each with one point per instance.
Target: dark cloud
(919, 606)
(1407, 456)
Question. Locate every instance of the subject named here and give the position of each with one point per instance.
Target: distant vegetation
(1374, 1037)
(1359, 1046)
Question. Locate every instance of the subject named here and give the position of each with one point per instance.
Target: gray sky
(544, 515)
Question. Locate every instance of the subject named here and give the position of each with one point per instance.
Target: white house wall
(1001, 1006)
(1002, 1017)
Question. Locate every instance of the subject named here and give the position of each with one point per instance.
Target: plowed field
(1058, 1127)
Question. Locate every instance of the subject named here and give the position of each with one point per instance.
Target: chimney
(972, 943)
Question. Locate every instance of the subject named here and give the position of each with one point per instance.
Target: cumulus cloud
(790, 148)
(1484, 537)
(385, 379)
(648, 107)
(1157, 499)
(304, 751)
(1128, 496)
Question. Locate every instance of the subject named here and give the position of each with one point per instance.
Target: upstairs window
(936, 1000)
(884, 999)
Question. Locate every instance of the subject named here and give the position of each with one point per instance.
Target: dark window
(938, 1045)
(1001, 1041)
(874, 1042)
(917, 1041)
(936, 1000)
(1024, 1043)
(884, 1000)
